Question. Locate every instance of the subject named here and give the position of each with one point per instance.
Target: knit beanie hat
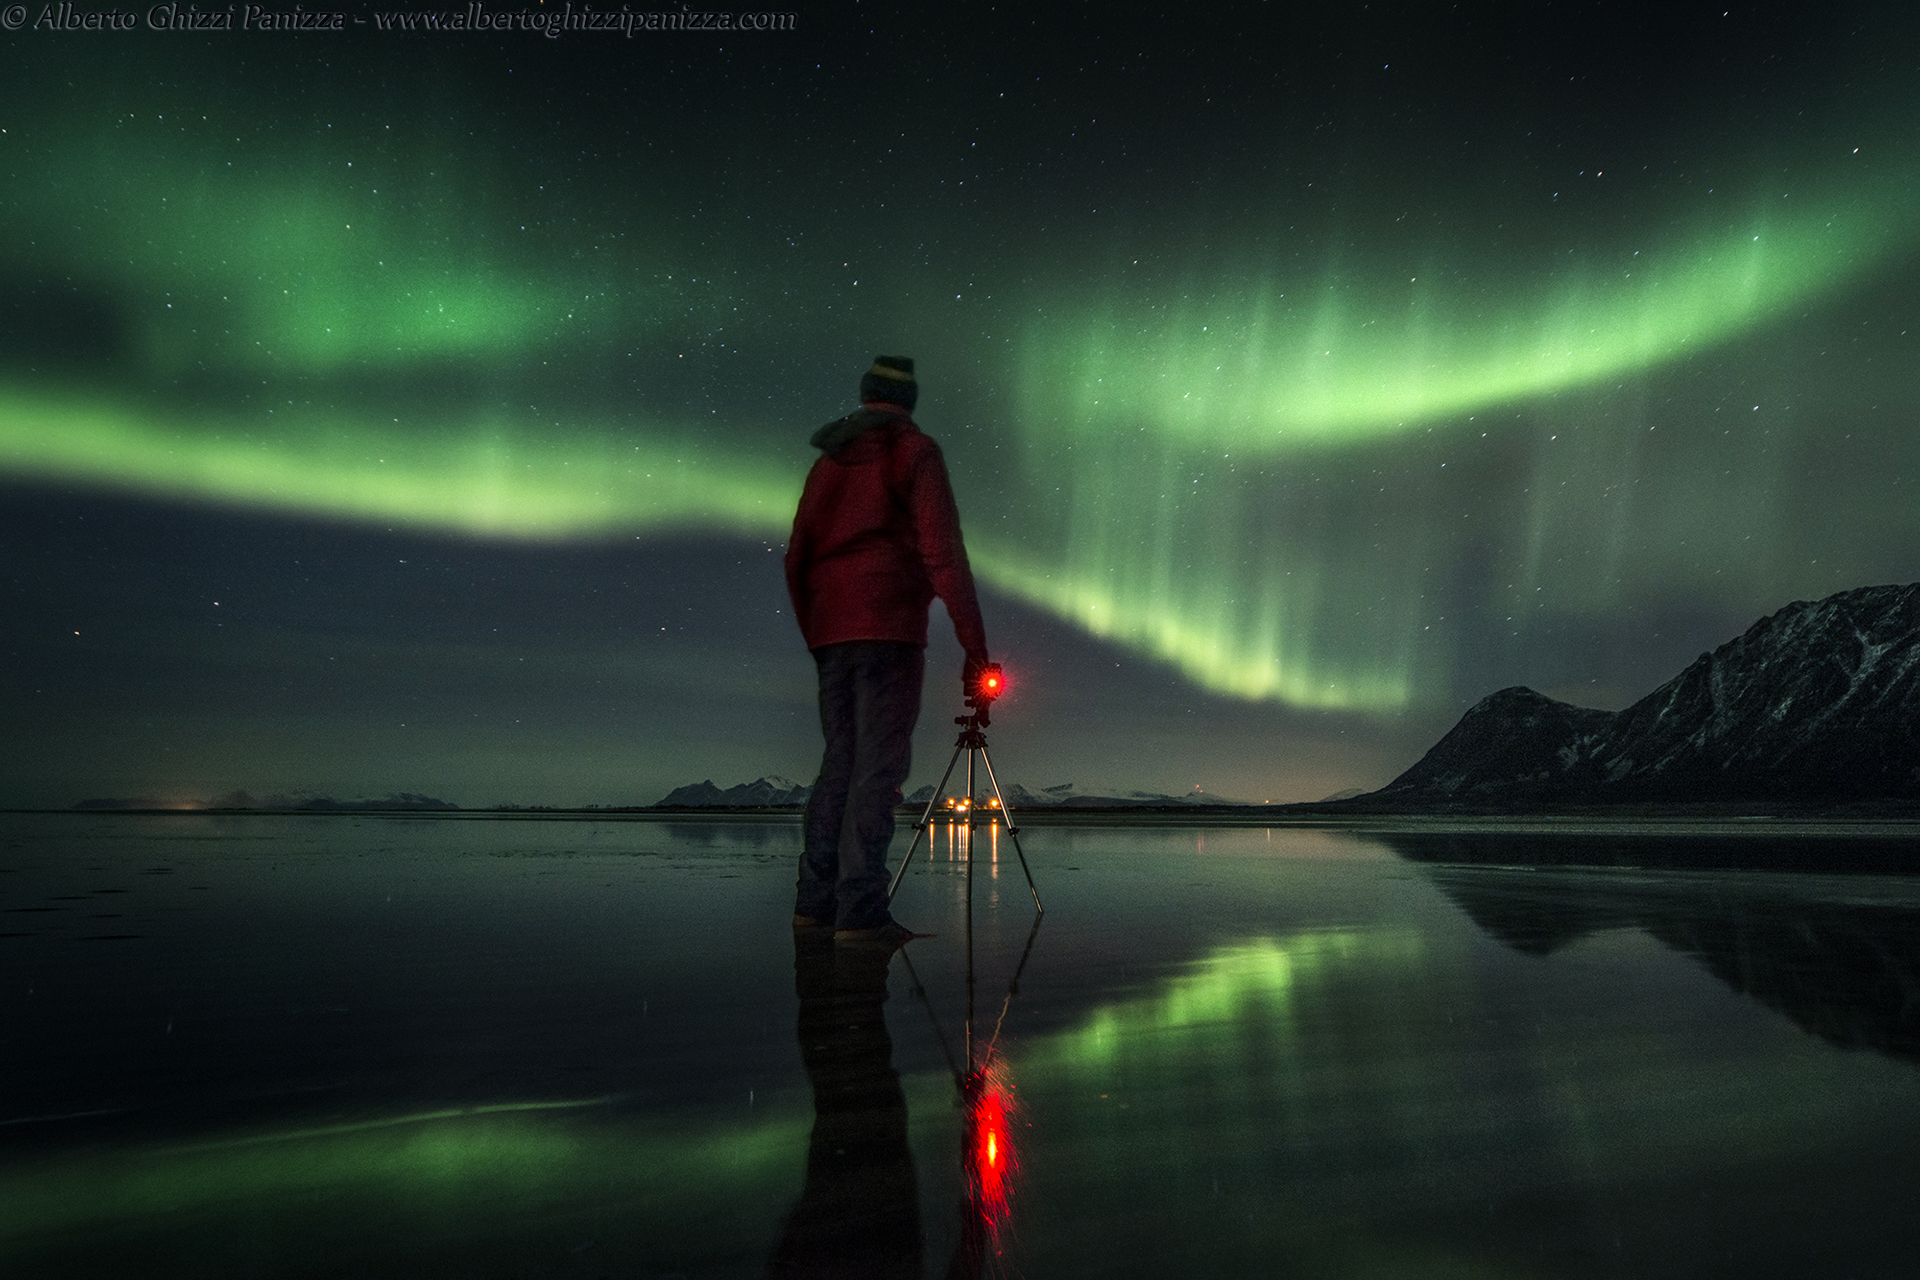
(891, 380)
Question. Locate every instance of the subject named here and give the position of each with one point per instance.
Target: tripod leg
(922, 827)
(920, 989)
(1011, 833)
(969, 914)
(1013, 987)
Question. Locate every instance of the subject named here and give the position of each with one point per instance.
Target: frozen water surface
(316, 1046)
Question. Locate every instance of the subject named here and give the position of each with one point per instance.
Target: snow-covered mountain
(775, 791)
(1068, 795)
(763, 792)
(1820, 701)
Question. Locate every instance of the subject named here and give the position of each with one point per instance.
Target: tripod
(974, 742)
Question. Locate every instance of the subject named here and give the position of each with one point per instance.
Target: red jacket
(877, 537)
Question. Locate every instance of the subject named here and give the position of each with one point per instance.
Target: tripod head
(983, 685)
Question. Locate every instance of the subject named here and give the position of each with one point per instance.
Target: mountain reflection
(1840, 956)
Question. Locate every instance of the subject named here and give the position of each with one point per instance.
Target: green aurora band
(1194, 430)
(492, 480)
(1138, 509)
(1276, 366)
(242, 252)
(498, 481)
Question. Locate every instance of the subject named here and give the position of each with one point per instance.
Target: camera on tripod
(981, 684)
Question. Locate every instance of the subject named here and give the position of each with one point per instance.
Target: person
(858, 1215)
(875, 539)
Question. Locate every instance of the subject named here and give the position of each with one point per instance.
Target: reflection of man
(876, 538)
(858, 1217)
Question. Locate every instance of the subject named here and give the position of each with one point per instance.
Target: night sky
(387, 411)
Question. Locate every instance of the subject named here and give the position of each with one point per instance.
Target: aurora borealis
(1304, 378)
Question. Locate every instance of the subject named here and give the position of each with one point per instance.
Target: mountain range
(1067, 795)
(302, 801)
(775, 791)
(1819, 702)
(1841, 966)
(770, 791)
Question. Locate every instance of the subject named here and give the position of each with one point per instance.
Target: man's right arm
(944, 553)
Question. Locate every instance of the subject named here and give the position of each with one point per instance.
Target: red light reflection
(990, 1157)
(988, 1162)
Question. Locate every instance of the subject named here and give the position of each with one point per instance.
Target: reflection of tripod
(987, 1158)
(974, 743)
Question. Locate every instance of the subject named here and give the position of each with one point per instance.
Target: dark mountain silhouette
(398, 800)
(770, 791)
(1818, 702)
(1067, 795)
(302, 800)
(776, 792)
(1842, 967)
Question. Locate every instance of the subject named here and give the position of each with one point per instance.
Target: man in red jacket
(876, 538)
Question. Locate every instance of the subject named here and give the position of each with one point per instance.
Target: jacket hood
(841, 432)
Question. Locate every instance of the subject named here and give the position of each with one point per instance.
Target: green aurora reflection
(525, 1152)
(446, 1177)
(1262, 1049)
(447, 1172)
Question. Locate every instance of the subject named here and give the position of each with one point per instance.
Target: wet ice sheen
(373, 1046)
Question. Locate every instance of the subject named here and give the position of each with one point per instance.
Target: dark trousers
(869, 700)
